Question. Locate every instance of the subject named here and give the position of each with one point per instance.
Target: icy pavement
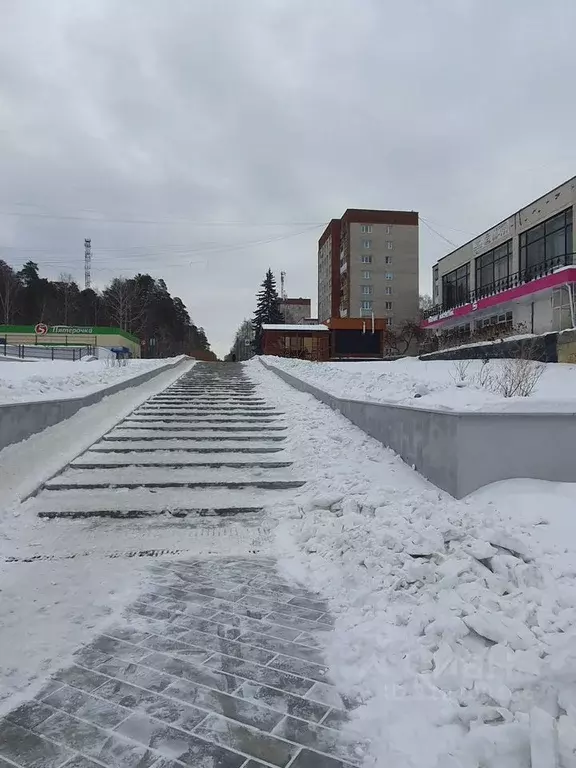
(216, 665)
(217, 661)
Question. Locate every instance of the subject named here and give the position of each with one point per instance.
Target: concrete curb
(21, 420)
(459, 451)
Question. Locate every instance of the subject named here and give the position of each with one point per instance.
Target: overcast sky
(228, 132)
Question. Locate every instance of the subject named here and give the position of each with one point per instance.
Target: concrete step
(215, 418)
(151, 446)
(132, 514)
(172, 459)
(197, 426)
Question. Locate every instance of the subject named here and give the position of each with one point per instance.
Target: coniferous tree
(267, 309)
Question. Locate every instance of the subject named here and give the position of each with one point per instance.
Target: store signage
(441, 316)
(68, 329)
(485, 241)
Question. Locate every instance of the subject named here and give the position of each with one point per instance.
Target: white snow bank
(456, 623)
(57, 379)
(432, 384)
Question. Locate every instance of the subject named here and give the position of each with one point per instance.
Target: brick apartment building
(368, 265)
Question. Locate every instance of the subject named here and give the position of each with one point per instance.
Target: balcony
(504, 284)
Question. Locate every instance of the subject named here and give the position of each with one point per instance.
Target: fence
(33, 352)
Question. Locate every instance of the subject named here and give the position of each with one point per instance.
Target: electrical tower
(282, 285)
(87, 263)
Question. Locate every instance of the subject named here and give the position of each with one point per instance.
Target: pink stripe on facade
(534, 286)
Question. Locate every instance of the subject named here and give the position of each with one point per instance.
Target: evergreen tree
(267, 309)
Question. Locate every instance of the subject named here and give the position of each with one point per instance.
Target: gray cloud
(269, 112)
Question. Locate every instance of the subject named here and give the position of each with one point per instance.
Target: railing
(498, 286)
(37, 352)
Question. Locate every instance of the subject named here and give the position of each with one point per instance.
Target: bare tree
(10, 286)
(69, 290)
(125, 304)
(407, 336)
(515, 376)
(459, 370)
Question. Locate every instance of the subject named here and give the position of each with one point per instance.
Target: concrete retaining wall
(21, 420)
(458, 451)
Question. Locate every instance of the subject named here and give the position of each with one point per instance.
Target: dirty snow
(433, 384)
(456, 626)
(56, 379)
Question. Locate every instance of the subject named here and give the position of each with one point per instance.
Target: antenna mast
(87, 263)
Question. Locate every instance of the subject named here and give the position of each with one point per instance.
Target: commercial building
(368, 265)
(518, 274)
(295, 310)
(337, 339)
(71, 336)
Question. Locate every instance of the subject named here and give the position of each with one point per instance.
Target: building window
(366, 305)
(549, 243)
(367, 290)
(387, 259)
(366, 243)
(389, 244)
(389, 322)
(366, 259)
(388, 305)
(389, 276)
(367, 275)
(456, 286)
(493, 267)
(388, 290)
(366, 228)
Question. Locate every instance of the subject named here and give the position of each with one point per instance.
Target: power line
(183, 220)
(437, 233)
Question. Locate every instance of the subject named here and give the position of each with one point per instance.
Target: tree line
(139, 305)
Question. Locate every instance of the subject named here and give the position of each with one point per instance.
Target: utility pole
(87, 263)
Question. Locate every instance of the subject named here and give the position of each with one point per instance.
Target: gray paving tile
(230, 647)
(182, 594)
(151, 679)
(316, 737)
(90, 657)
(129, 633)
(287, 608)
(235, 708)
(118, 648)
(265, 675)
(170, 645)
(326, 694)
(76, 734)
(160, 706)
(281, 701)
(280, 646)
(4, 764)
(247, 624)
(307, 669)
(196, 673)
(336, 719)
(247, 740)
(85, 679)
(176, 744)
(308, 759)
(82, 762)
(30, 750)
(310, 603)
(30, 714)
(119, 752)
(87, 707)
(48, 688)
(210, 626)
(296, 622)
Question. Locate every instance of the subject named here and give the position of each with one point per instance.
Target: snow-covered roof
(293, 327)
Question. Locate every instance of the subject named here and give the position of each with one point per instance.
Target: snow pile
(56, 379)
(456, 631)
(439, 384)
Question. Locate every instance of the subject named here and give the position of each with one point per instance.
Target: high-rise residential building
(368, 265)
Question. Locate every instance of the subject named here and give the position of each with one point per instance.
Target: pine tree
(267, 309)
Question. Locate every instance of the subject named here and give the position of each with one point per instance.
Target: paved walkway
(218, 664)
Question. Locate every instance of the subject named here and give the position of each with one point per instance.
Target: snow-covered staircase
(205, 445)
